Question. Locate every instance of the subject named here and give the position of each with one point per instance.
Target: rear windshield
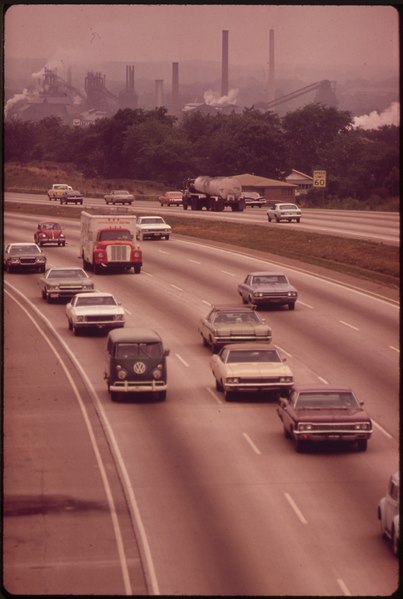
(138, 350)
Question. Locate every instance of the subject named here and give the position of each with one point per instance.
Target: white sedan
(152, 227)
(94, 310)
(249, 367)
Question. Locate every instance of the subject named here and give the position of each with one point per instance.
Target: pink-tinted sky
(307, 35)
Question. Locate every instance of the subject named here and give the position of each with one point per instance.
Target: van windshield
(138, 350)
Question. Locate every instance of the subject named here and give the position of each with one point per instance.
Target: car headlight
(258, 294)
(87, 286)
(14, 260)
(119, 316)
(80, 318)
(304, 427)
(61, 235)
(41, 259)
(122, 373)
(157, 373)
(286, 379)
(291, 294)
(362, 426)
(53, 287)
(232, 380)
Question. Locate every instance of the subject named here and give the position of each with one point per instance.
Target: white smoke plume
(16, 99)
(213, 99)
(375, 120)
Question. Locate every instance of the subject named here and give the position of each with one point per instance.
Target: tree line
(154, 146)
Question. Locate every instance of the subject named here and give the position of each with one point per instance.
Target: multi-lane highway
(220, 502)
(377, 226)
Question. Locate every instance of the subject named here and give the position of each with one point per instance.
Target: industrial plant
(51, 95)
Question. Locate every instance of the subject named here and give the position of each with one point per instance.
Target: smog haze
(354, 36)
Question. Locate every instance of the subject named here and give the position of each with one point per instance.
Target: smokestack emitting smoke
(271, 94)
(224, 70)
(175, 88)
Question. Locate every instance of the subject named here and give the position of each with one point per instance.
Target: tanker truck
(213, 193)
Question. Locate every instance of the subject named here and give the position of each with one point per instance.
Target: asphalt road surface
(220, 502)
(377, 226)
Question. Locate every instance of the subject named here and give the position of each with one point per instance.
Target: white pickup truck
(57, 190)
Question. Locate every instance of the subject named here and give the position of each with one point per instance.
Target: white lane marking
(194, 261)
(251, 443)
(394, 349)
(307, 273)
(347, 324)
(182, 360)
(295, 508)
(175, 287)
(343, 587)
(306, 305)
(206, 302)
(163, 252)
(322, 380)
(379, 427)
(283, 351)
(127, 311)
(102, 471)
(148, 274)
(214, 395)
(230, 274)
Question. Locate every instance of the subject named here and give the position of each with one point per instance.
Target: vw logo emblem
(139, 368)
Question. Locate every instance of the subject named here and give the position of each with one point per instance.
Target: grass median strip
(368, 260)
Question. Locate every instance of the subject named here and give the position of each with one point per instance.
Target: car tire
(75, 330)
(69, 325)
(362, 444)
(114, 395)
(41, 269)
(395, 542)
(269, 219)
(137, 269)
(228, 395)
(300, 445)
(9, 268)
(218, 385)
(291, 306)
(286, 433)
(277, 219)
(162, 395)
(297, 220)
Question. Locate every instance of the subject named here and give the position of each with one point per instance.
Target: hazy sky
(308, 35)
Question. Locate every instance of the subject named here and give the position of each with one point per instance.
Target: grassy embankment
(372, 261)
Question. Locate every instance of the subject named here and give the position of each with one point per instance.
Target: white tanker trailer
(213, 193)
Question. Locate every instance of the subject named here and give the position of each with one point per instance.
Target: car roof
(23, 243)
(94, 294)
(133, 335)
(49, 222)
(327, 389)
(251, 345)
(263, 273)
(229, 308)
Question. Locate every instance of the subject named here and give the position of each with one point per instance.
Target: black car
(72, 197)
(136, 363)
(23, 257)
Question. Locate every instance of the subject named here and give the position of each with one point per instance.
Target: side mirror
(166, 352)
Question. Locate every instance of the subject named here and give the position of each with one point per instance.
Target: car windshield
(235, 317)
(115, 234)
(23, 249)
(269, 279)
(147, 221)
(138, 350)
(122, 192)
(325, 400)
(261, 355)
(96, 301)
(67, 273)
(49, 226)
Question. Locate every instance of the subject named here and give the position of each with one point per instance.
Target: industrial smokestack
(158, 93)
(175, 89)
(271, 94)
(224, 70)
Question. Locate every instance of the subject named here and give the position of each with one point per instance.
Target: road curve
(222, 494)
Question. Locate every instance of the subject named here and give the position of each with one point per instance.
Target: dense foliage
(152, 145)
